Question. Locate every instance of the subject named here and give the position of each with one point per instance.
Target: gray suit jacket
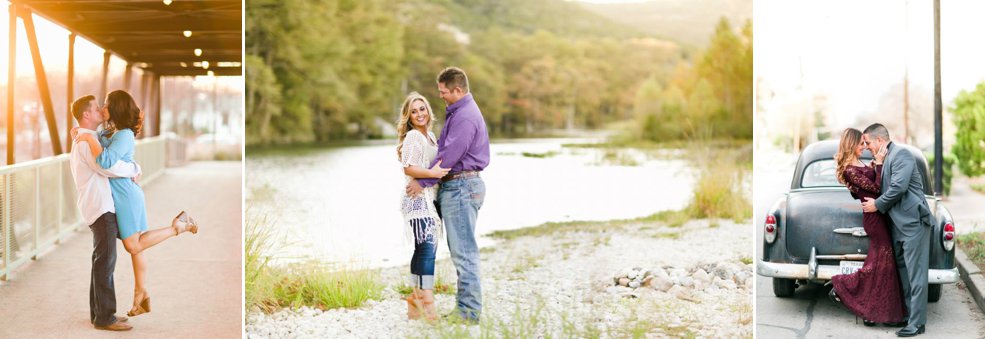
(902, 195)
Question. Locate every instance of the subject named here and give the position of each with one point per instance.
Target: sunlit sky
(853, 51)
(52, 41)
(53, 44)
(609, 1)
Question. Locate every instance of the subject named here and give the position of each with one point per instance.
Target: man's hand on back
(414, 188)
(869, 205)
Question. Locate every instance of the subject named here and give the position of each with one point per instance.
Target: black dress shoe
(834, 296)
(910, 332)
(868, 323)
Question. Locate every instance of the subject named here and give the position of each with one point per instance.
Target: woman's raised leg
(137, 243)
(181, 223)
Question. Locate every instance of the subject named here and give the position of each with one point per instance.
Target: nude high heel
(140, 307)
(184, 223)
(413, 306)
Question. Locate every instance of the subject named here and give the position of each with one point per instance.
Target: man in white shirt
(96, 203)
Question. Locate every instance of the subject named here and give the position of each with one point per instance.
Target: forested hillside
(323, 70)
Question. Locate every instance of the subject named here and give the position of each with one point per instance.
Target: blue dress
(128, 198)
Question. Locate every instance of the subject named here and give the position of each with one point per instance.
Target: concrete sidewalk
(194, 280)
(966, 205)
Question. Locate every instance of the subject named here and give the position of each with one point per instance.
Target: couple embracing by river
(444, 193)
(891, 287)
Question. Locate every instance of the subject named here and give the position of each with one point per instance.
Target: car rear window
(822, 174)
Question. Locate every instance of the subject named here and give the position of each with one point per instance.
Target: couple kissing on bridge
(112, 203)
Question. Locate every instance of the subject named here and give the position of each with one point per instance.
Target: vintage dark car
(815, 230)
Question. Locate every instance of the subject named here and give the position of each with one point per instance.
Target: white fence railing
(38, 201)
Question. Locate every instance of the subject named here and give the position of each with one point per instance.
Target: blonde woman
(416, 148)
(873, 292)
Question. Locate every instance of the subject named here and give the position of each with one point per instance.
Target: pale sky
(53, 44)
(853, 51)
(609, 1)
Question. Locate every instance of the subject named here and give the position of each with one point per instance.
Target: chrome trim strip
(842, 257)
(854, 231)
(825, 272)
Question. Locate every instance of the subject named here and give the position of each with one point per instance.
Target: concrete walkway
(194, 280)
(966, 205)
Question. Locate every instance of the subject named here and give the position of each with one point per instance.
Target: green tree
(262, 87)
(968, 110)
(727, 65)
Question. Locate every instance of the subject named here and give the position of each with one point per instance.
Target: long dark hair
(123, 112)
(850, 139)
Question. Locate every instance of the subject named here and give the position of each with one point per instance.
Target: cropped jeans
(422, 263)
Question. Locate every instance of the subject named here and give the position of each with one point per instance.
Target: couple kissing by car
(892, 285)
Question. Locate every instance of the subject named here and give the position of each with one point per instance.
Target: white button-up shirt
(92, 181)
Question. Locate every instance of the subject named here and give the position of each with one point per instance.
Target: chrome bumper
(814, 272)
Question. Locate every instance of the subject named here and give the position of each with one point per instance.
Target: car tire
(934, 292)
(784, 288)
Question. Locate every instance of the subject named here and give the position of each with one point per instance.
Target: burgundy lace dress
(873, 292)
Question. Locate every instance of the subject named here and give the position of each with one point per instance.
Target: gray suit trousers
(913, 263)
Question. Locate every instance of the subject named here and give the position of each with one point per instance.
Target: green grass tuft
(973, 245)
(270, 287)
(260, 241)
(315, 286)
(721, 190)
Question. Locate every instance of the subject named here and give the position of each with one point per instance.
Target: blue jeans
(102, 291)
(459, 202)
(422, 263)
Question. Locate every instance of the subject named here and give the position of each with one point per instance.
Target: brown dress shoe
(119, 318)
(117, 326)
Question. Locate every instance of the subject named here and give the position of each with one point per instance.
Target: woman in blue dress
(116, 143)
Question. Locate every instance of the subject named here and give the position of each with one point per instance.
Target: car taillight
(948, 236)
(770, 228)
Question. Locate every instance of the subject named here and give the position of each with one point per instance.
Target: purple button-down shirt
(464, 142)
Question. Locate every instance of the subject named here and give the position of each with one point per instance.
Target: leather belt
(459, 175)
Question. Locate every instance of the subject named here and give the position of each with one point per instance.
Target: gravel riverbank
(634, 279)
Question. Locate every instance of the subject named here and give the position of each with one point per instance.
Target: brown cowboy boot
(413, 305)
(427, 301)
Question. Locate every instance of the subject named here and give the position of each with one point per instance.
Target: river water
(341, 204)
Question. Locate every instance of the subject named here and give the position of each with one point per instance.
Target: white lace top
(418, 150)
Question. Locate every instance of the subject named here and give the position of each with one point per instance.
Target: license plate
(849, 267)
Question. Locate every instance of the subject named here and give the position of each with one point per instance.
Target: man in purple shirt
(464, 145)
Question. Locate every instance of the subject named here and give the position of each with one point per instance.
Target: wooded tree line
(968, 110)
(322, 70)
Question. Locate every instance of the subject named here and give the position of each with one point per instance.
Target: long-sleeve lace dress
(873, 292)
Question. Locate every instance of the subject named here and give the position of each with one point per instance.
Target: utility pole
(938, 118)
(906, 80)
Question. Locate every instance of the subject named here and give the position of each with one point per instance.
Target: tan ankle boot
(427, 303)
(413, 306)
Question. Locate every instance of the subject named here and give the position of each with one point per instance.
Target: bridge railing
(38, 202)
